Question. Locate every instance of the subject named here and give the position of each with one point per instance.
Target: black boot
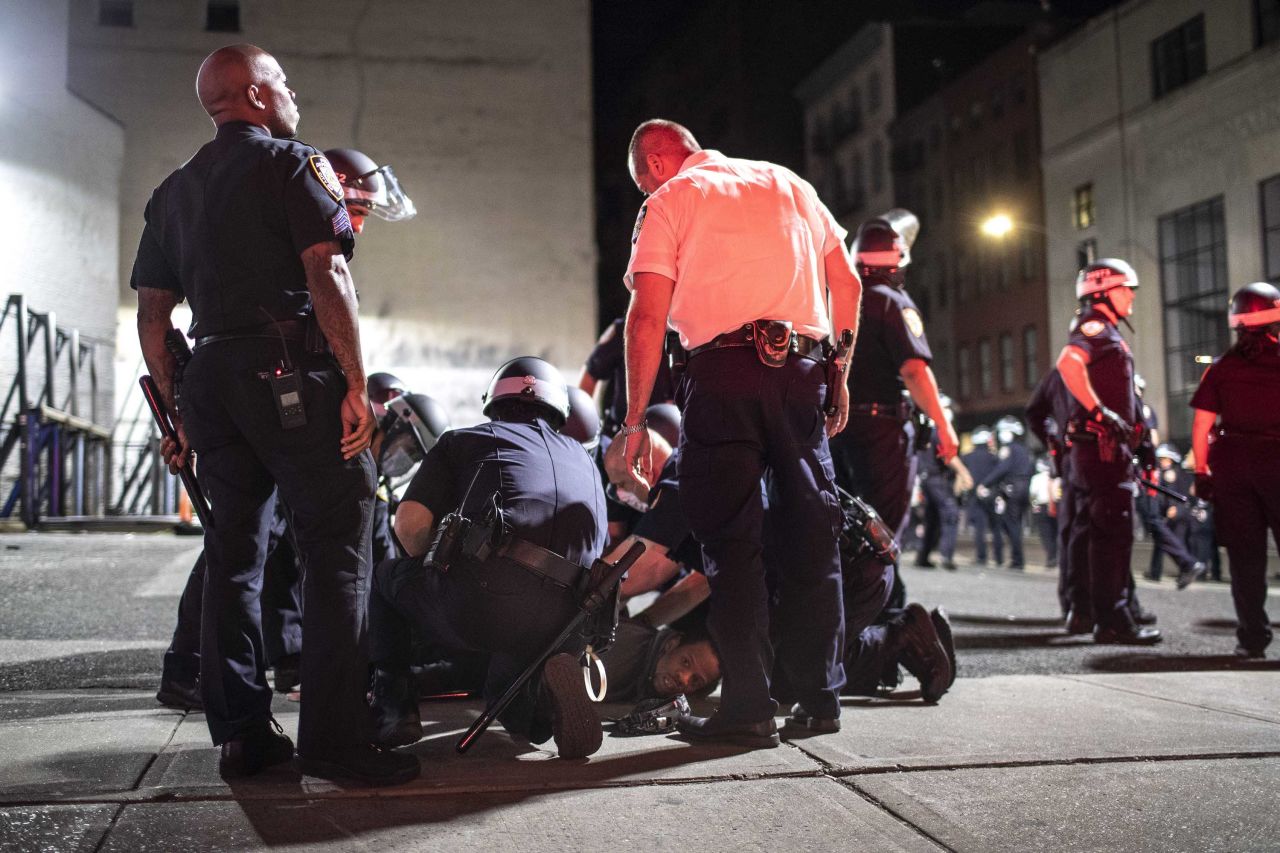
(396, 719)
(254, 749)
(918, 648)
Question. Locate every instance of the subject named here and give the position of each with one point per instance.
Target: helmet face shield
(406, 441)
(380, 193)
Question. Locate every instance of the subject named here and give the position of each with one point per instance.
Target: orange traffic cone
(185, 513)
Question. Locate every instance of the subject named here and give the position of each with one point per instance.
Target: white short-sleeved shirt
(743, 240)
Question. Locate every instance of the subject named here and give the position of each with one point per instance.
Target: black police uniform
(1102, 525)
(226, 231)
(1170, 532)
(1048, 413)
(1245, 462)
(549, 494)
(1010, 479)
(281, 607)
(941, 509)
(874, 456)
(607, 362)
(979, 462)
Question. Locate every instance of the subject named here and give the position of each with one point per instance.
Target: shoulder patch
(1093, 327)
(635, 232)
(912, 318)
(326, 176)
(1004, 452)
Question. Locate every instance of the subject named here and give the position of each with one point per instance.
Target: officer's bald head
(242, 82)
(657, 149)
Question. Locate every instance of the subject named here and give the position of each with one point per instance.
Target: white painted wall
(484, 111)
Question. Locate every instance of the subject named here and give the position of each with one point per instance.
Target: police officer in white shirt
(739, 257)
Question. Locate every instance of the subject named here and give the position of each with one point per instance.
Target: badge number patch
(326, 176)
(912, 318)
(635, 232)
(1093, 328)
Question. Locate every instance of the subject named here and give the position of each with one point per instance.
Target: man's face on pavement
(687, 668)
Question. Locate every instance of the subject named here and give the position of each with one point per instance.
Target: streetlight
(998, 225)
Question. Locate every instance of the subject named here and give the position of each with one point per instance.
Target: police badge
(326, 176)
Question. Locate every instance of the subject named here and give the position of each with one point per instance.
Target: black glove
(1204, 487)
(1112, 422)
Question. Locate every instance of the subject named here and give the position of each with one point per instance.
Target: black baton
(189, 482)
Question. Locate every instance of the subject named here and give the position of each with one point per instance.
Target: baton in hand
(591, 602)
(189, 482)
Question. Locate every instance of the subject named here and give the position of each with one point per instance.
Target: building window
(1030, 363)
(1086, 253)
(985, 374)
(1267, 20)
(1006, 362)
(115, 13)
(1082, 206)
(222, 16)
(1193, 289)
(1271, 228)
(873, 93)
(1177, 57)
(963, 369)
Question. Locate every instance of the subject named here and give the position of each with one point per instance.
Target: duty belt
(896, 411)
(541, 562)
(803, 346)
(290, 330)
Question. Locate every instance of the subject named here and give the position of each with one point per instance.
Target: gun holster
(677, 357)
(773, 341)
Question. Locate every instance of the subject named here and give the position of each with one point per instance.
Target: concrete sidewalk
(1152, 761)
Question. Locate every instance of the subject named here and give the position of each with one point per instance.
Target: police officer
(1169, 521)
(1238, 404)
(940, 482)
(1097, 368)
(1048, 414)
(607, 364)
(1010, 482)
(980, 461)
(253, 232)
(874, 457)
(734, 254)
(369, 188)
(533, 499)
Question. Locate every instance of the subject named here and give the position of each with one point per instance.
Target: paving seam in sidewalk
(878, 803)
(1091, 680)
(1047, 762)
(111, 824)
(155, 756)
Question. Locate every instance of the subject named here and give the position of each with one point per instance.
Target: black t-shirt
(1110, 365)
(607, 362)
(226, 230)
(547, 485)
(890, 333)
(1244, 392)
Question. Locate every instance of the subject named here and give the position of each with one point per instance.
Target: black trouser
(1167, 537)
(741, 420)
(1246, 505)
(244, 456)
(1010, 523)
(495, 607)
(874, 459)
(1073, 572)
(1047, 530)
(1103, 529)
(982, 518)
(941, 519)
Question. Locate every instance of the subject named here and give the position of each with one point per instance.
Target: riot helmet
(530, 380)
(1254, 307)
(412, 425)
(369, 188)
(583, 423)
(1139, 384)
(382, 387)
(1168, 451)
(664, 419)
(981, 435)
(882, 247)
(1102, 275)
(1008, 428)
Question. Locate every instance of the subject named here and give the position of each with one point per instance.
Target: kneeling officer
(499, 524)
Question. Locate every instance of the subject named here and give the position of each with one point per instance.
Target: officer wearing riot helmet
(1169, 521)
(874, 457)
(508, 515)
(252, 230)
(369, 188)
(979, 508)
(1010, 484)
(1097, 368)
(740, 257)
(1236, 440)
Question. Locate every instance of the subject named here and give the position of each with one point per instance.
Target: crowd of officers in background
(761, 478)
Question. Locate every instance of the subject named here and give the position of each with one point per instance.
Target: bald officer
(253, 233)
(739, 257)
